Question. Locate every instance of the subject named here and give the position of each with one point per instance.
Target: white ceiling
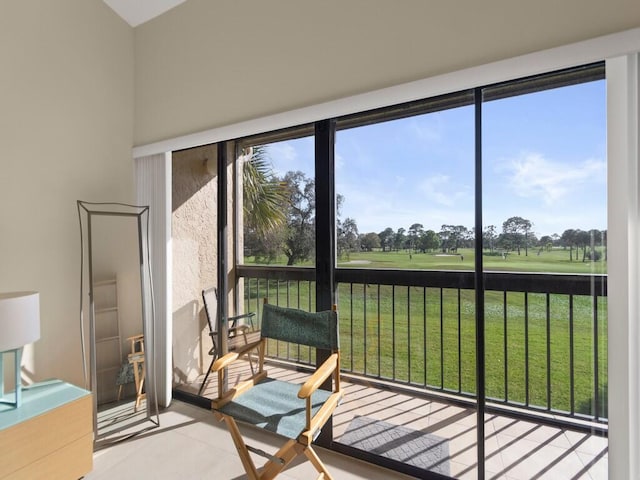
(136, 12)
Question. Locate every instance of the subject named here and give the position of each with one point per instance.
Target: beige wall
(206, 64)
(194, 249)
(195, 254)
(66, 123)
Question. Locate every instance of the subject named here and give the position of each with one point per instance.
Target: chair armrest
(235, 330)
(232, 320)
(231, 357)
(319, 376)
(243, 315)
(314, 425)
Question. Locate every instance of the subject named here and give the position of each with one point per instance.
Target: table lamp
(19, 326)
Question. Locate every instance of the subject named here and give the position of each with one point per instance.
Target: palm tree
(264, 195)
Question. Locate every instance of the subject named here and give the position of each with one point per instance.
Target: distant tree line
(516, 236)
(280, 219)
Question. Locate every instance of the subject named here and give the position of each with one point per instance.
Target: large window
(469, 270)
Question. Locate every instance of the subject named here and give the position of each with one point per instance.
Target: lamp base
(18, 383)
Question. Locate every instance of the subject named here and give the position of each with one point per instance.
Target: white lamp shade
(19, 319)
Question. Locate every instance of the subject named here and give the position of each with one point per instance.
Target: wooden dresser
(50, 436)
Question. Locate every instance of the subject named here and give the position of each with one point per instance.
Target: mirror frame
(86, 212)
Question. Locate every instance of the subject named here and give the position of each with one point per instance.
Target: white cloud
(427, 128)
(441, 190)
(532, 175)
(377, 204)
(283, 156)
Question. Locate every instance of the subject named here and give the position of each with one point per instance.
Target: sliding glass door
(405, 260)
(471, 268)
(545, 264)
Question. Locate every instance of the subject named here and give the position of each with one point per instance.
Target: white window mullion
(623, 241)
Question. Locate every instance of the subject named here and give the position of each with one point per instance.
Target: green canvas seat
(274, 406)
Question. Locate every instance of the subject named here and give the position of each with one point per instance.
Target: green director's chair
(295, 412)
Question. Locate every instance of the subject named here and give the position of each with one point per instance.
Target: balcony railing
(545, 334)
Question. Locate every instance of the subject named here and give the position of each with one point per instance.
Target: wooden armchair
(295, 412)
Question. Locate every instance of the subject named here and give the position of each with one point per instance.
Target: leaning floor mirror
(117, 319)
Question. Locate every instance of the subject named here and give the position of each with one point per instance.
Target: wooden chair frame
(293, 447)
(237, 333)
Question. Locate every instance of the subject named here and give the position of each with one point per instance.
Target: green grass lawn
(409, 335)
(555, 261)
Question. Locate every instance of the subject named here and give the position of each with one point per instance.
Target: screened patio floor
(515, 449)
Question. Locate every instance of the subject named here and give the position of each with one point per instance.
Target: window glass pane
(279, 203)
(544, 181)
(406, 192)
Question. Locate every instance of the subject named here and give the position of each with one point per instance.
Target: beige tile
(462, 471)
(464, 436)
(519, 429)
(576, 438)
(191, 444)
(469, 418)
(375, 410)
(447, 429)
(495, 475)
(593, 445)
(467, 455)
(513, 451)
(547, 434)
(493, 455)
(526, 459)
(415, 420)
(447, 411)
(595, 465)
(167, 455)
(567, 465)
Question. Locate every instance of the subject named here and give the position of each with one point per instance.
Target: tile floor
(514, 449)
(191, 444)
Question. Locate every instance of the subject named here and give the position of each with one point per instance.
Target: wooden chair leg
(290, 450)
(287, 453)
(247, 463)
(139, 382)
(141, 396)
(136, 378)
(317, 463)
(144, 376)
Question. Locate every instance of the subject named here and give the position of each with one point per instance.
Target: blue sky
(544, 159)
